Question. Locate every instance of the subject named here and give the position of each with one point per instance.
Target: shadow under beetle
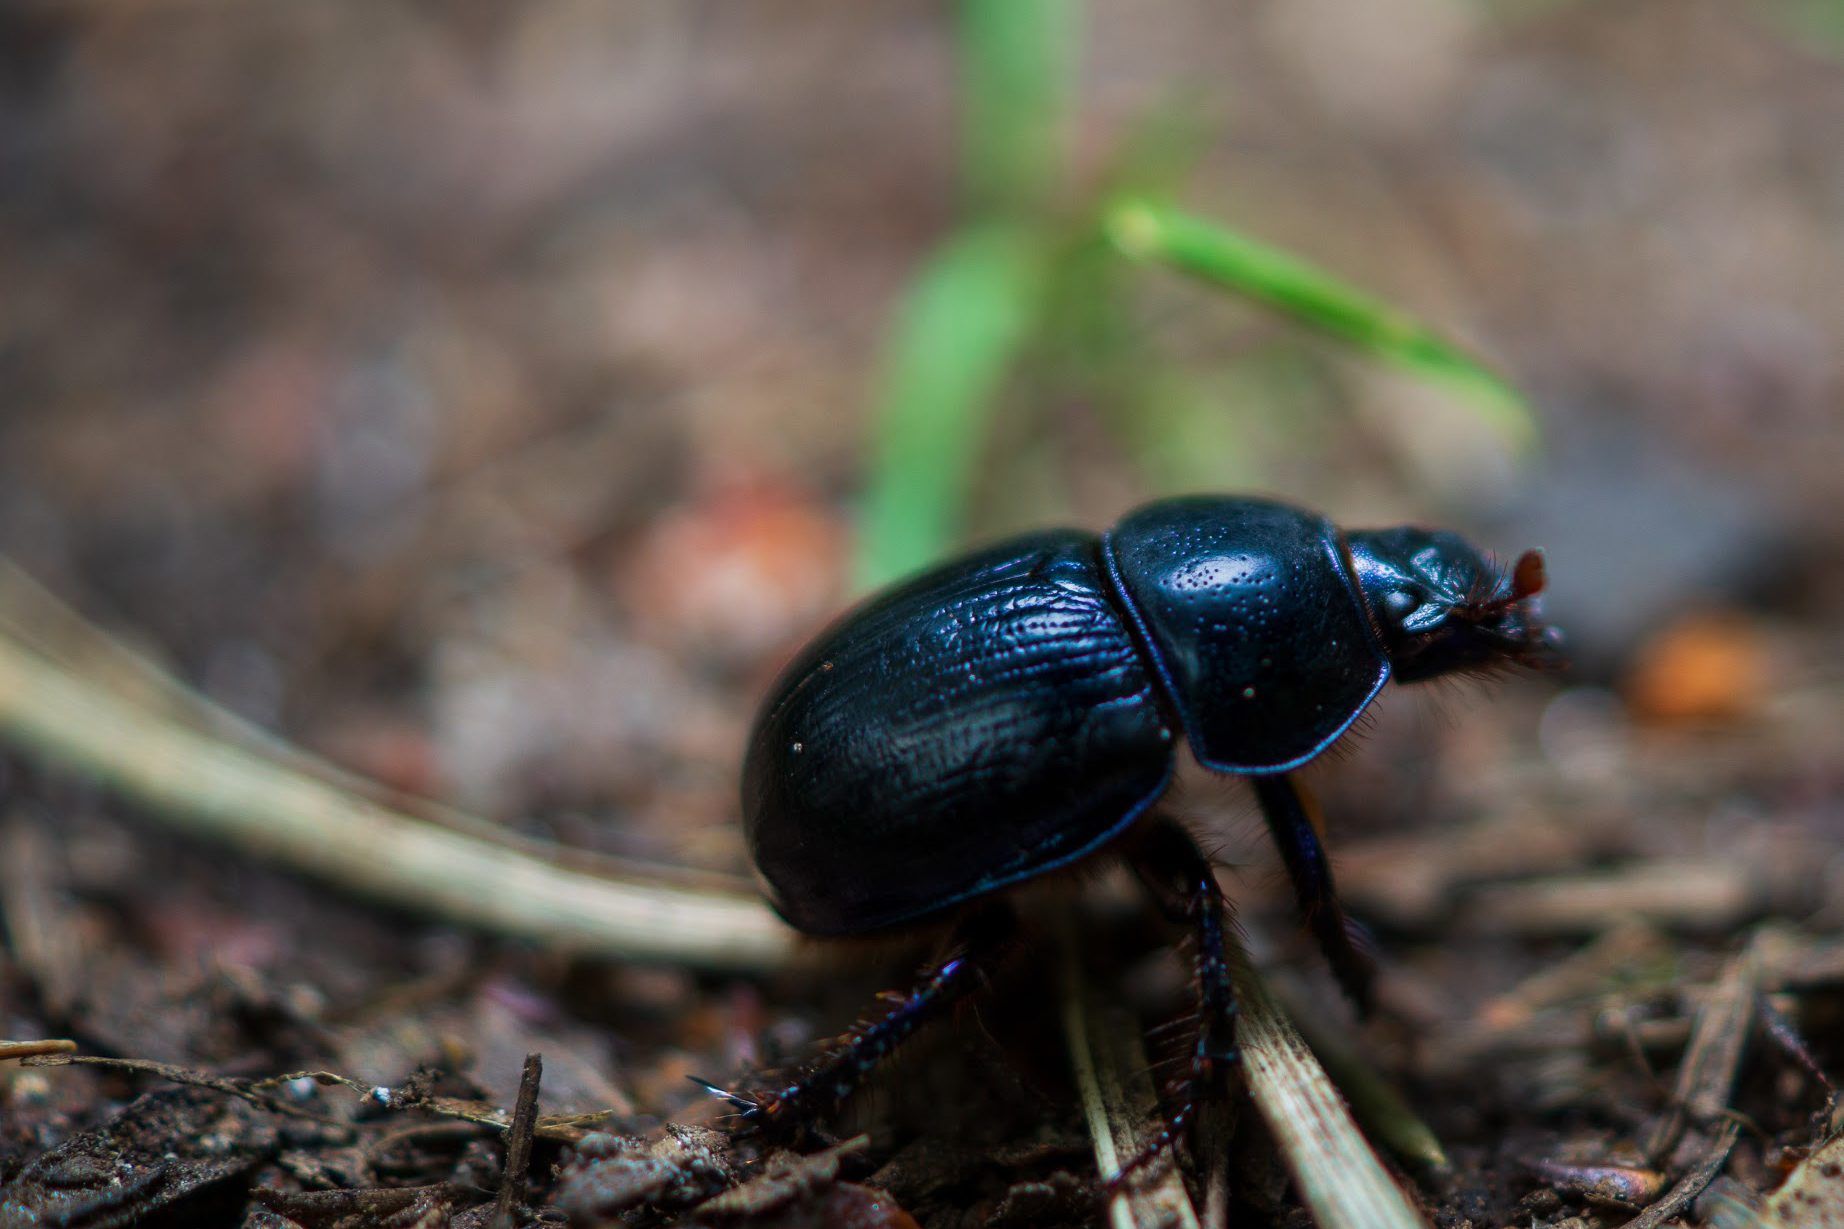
(1017, 711)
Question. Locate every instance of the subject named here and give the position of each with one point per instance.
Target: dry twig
(562, 1128)
(518, 1143)
(1678, 1198)
(1378, 1106)
(1119, 1103)
(1339, 1176)
(34, 1049)
(1716, 1040)
(221, 790)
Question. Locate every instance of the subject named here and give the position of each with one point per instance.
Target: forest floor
(512, 490)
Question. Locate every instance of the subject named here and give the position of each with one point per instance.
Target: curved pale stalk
(239, 795)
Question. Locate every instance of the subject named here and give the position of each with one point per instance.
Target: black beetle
(1017, 711)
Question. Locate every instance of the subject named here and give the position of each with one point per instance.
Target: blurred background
(490, 397)
(494, 392)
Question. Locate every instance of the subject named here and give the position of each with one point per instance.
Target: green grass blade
(1154, 233)
(1017, 60)
(965, 316)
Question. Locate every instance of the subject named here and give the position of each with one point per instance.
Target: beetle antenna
(1495, 590)
(1528, 576)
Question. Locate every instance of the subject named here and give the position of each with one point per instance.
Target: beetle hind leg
(978, 942)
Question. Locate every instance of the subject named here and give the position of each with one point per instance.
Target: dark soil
(474, 395)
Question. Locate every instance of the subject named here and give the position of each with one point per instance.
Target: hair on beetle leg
(1165, 1068)
(1362, 938)
(748, 1105)
(1216, 854)
(1052, 688)
(1194, 1052)
(1213, 845)
(1161, 1034)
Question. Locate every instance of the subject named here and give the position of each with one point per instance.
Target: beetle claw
(1048, 681)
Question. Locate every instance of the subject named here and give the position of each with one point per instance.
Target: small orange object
(1529, 576)
(738, 571)
(1710, 666)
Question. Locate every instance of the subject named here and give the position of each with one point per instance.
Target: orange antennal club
(1528, 577)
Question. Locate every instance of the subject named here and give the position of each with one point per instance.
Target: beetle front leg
(978, 942)
(1285, 808)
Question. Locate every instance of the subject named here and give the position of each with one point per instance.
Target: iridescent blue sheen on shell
(1255, 624)
(1013, 712)
(987, 721)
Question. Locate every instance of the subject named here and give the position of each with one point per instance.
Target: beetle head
(1443, 608)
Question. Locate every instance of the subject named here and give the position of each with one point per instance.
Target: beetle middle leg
(1290, 823)
(1181, 881)
(979, 941)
